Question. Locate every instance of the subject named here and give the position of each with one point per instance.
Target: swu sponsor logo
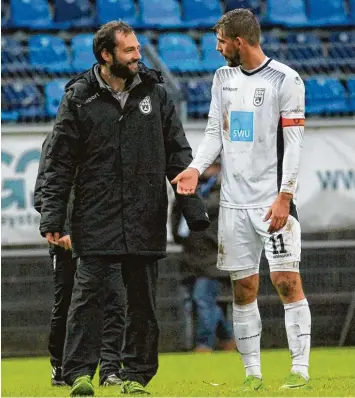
(241, 135)
(241, 126)
(336, 179)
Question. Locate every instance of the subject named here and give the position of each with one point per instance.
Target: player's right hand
(65, 242)
(186, 181)
(53, 237)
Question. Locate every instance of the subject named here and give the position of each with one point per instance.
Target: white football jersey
(252, 109)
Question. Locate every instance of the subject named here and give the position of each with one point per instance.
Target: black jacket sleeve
(40, 175)
(178, 158)
(59, 168)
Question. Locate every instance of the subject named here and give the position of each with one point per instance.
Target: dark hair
(240, 22)
(105, 37)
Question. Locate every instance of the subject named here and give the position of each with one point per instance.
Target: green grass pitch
(190, 375)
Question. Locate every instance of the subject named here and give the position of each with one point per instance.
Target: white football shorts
(242, 235)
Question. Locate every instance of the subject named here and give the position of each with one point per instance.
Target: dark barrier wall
(329, 282)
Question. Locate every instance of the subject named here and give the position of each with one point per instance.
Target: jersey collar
(264, 65)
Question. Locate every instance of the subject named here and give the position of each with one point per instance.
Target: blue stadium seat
(80, 13)
(144, 40)
(342, 50)
(26, 99)
(211, 58)
(352, 11)
(109, 10)
(198, 95)
(5, 15)
(325, 95)
(272, 46)
(289, 13)
(49, 53)
(10, 116)
(53, 92)
(161, 14)
(327, 13)
(179, 52)
(350, 84)
(82, 54)
(254, 5)
(13, 55)
(201, 13)
(31, 13)
(304, 51)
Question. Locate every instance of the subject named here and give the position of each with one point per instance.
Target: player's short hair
(105, 37)
(239, 23)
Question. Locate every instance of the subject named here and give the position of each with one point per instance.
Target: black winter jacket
(120, 159)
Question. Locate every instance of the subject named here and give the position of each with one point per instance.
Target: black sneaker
(111, 380)
(57, 379)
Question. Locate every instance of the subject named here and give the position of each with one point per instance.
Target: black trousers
(64, 268)
(86, 312)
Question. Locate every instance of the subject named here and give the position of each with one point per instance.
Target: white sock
(247, 332)
(298, 329)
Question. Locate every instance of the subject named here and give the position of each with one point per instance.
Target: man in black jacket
(118, 134)
(64, 264)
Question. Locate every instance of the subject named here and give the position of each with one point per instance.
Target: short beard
(235, 61)
(122, 71)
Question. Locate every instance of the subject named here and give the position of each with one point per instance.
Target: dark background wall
(329, 282)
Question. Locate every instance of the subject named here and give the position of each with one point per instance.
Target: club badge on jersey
(259, 96)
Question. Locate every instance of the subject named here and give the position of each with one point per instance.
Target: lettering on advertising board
(19, 218)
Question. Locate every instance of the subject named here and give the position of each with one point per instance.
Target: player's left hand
(279, 212)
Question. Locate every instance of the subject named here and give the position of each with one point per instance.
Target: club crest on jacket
(145, 105)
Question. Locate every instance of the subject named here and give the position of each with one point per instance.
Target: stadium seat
(13, 56)
(304, 51)
(272, 46)
(327, 13)
(25, 99)
(201, 13)
(179, 52)
(31, 13)
(198, 95)
(108, 10)
(290, 13)
(82, 55)
(80, 13)
(254, 5)
(10, 116)
(144, 40)
(211, 58)
(350, 84)
(53, 92)
(352, 11)
(161, 14)
(325, 95)
(342, 50)
(49, 53)
(5, 15)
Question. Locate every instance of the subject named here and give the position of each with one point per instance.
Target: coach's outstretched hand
(186, 181)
